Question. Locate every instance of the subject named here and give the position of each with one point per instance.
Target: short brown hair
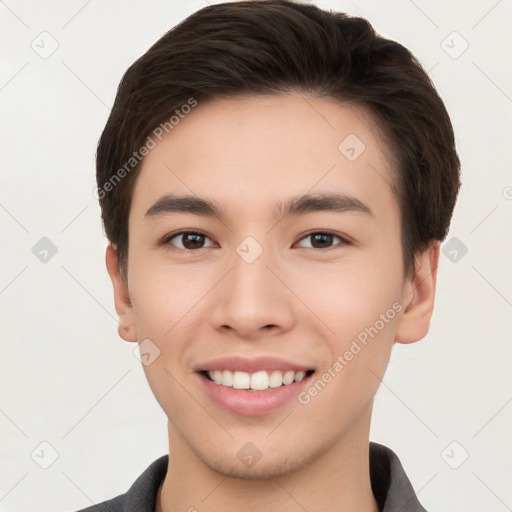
(278, 46)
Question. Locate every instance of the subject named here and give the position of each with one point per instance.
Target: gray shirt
(391, 487)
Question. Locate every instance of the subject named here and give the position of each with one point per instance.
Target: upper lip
(237, 363)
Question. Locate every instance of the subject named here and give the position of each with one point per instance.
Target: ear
(418, 298)
(126, 327)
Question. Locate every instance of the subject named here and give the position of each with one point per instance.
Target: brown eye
(324, 240)
(188, 240)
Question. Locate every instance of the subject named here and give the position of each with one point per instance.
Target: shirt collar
(391, 487)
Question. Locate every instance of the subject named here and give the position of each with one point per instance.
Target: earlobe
(124, 308)
(418, 298)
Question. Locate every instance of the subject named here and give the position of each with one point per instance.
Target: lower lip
(252, 403)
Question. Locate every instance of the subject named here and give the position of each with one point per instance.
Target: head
(249, 105)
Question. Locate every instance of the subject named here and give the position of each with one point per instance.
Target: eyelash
(343, 241)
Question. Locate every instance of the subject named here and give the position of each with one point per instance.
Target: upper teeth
(258, 381)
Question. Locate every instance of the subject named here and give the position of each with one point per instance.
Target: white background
(67, 379)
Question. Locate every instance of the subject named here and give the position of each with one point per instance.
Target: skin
(249, 153)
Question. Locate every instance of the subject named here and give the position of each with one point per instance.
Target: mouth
(252, 387)
(262, 380)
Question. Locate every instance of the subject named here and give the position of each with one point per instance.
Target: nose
(253, 300)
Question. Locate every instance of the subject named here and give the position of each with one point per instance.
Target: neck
(338, 480)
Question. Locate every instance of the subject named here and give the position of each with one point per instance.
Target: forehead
(251, 152)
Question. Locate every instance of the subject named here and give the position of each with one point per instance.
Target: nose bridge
(251, 296)
(250, 277)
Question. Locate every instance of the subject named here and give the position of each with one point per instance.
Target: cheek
(351, 294)
(364, 308)
(163, 295)
(169, 308)
(355, 367)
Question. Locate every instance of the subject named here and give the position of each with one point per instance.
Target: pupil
(192, 241)
(323, 238)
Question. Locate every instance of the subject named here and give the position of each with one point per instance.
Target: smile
(258, 381)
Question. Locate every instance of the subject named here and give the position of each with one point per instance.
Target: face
(262, 283)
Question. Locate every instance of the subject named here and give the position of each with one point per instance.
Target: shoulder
(141, 496)
(390, 485)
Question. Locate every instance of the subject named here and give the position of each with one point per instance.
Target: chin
(264, 468)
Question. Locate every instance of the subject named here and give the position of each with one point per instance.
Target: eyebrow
(297, 205)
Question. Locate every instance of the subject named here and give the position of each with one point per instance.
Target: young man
(274, 180)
